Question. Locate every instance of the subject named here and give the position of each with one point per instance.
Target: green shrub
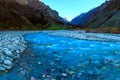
(56, 27)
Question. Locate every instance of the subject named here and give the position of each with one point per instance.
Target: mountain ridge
(21, 16)
(106, 15)
(83, 18)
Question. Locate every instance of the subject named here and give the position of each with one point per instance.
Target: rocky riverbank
(83, 35)
(11, 45)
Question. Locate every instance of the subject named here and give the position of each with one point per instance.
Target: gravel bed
(11, 45)
(78, 34)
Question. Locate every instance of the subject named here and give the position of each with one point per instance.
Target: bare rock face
(23, 2)
(41, 8)
(45, 11)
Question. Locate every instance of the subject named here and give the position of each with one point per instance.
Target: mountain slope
(106, 15)
(16, 15)
(83, 18)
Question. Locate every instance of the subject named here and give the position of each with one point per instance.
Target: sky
(72, 8)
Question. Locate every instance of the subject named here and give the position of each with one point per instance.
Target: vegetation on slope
(101, 30)
(14, 16)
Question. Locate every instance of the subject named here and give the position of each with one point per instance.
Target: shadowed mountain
(106, 15)
(26, 15)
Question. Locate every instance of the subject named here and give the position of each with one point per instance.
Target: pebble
(57, 60)
(6, 71)
(43, 75)
(48, 76)
(52, 70)
(7, 66)
(117, 65)
(23, 72)
(7, 62)
(33, 78)
(39, 63)
(79, 74)
(90, 72)
(2, 68)
(87, 36)
(52, 63)
(71, 72)
(8, 52)
(64, 74)
(49, 45)
(11, 45)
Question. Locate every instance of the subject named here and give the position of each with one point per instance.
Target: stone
(43, 75)
(8, 52)
(6, 71)
(64, 74)
(49, 44)
(39, 63)
(7, 62)
(52, 70)
(23, 72)
(117, 65)
(21, 48)
(79, 74)
(1, 61)
(9, 49)
(90, 72)
(71, 72)
(33, 78)
(57, 60)
(7, 66)
(52, 63)
(9, 58)
(17, 51)
(2, 68)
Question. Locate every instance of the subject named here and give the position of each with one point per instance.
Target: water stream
(62, 58)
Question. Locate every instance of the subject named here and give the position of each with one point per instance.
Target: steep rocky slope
(106, 15)
(83, 18)
(22, 15)
(45, 11)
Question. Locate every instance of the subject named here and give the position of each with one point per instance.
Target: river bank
(11, 46)
(83, 35)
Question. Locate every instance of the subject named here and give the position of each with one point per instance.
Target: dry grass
(101, 30)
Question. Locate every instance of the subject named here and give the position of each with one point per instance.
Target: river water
(62, 58)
